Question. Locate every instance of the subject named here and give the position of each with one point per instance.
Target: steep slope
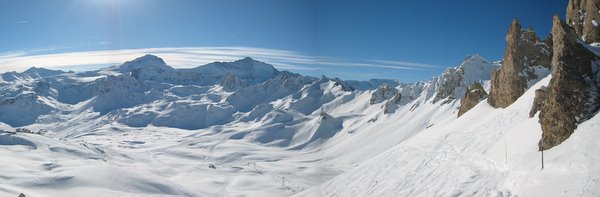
(124, 89)
(242, 128)
(470, 156)
(24, 109)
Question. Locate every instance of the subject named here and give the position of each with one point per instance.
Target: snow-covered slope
(245, 128)
(486, 152)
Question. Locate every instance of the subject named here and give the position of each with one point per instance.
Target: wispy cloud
(406, 64)
(25, 52)
(22, 22)
(369, 65)
(184, 57)
(187, 57)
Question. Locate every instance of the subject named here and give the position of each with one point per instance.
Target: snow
(485, 152)
(144, 129)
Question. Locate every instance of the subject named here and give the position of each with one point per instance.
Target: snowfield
(486, 152)
(244, 128)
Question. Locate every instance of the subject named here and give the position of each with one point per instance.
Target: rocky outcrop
(453, 82)
(383, 93)
(393, 104)
(474, 94)
(343, 85)
(447, 83)
(524, 57)
(572, 94)
(584, 17)
(538, 101)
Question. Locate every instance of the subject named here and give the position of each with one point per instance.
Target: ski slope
(245, 129)
(486, 152)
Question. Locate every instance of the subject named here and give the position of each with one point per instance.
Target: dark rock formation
(474, 94)
(393, 104)
(383, 93)
(391, 95)
(344, 85)
(524, 54)
(584, 17)
(538, 101)
(572, 94)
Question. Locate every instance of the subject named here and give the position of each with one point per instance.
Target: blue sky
(350, 39)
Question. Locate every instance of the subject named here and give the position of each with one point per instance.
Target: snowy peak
(246, 69)
(41, 72)
(150, 59)
(453, 82)
(147, 67)
(476, 69)
(146, 62)
(247, 60)
(31, 73)
(475, 60)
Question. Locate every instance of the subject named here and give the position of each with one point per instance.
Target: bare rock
(572, 94)
(383, 93)
(525, 58)
(584, 17)
(474, 94)
(538, 101)
(392, 105)
(447, 83)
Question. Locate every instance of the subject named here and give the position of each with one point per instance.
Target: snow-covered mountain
(138, 119)
(246, 101)
(244, 128)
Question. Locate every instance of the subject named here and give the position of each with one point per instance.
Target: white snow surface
(486, 152)
(145, 129)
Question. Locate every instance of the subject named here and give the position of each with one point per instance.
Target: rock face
(453, 82)
(584, 16)
(391, 95)
(392, 105)
(383, 93)
(474, 94)
(525, 58)
(538, 101)
(447, 83)
(572, 94)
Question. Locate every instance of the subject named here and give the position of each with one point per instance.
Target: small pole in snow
(542, 153)
(542, 158)
(283, 181)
